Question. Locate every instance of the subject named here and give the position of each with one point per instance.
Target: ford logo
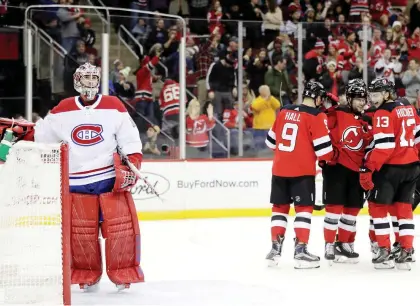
(141, 191)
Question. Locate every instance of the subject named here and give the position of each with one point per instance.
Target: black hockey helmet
(382, 84)
(356, 88)
(313, 90)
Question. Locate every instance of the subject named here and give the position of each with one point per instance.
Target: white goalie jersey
(93, 133)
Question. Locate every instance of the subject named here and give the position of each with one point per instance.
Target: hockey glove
(124, 177)
(365, 178)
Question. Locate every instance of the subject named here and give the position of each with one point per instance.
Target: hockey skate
(344, 253)
(122, 287)
(273, 257)
(329, 254)
(396, 250)
(304, 259)
(374, 248)
(90, 288)
(383, 259)
(404, 259)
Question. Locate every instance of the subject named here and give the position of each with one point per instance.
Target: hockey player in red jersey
(95, 127)
(298, 131)
(343, 196)
(390, 171)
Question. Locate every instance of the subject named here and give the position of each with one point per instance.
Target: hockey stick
(138, 174)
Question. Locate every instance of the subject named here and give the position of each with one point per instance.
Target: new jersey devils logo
(352, 138)
(199, 126)
(87, 134)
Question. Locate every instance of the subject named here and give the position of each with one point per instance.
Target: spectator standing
(257, 69)
(264, 109)
(204, 60)
(179, 7)
(278, 81)
(214, 19)
(272, 21)
(331, 79)
(253, 17)
(377, 48)
(142, 5)
(314, 61)
(411, 81)
(141, 31)
(143, 95)
(415, 16)
(199, 9)
(69, 28)
(290, 27)
(221, 80)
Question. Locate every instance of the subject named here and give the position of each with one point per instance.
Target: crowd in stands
(333, 34)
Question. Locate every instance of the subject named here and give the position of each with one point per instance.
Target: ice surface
(220, 262)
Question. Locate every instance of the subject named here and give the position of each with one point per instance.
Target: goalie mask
(381, 91)
(86, 80)
(356, 95)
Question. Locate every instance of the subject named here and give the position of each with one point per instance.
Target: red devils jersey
(198, 131)
(299, 137)
(347, 51)
(347, 133)
(395, 125)
(144, 79)
(169, 98)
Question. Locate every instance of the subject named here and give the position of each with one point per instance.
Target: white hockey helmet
(86, 80)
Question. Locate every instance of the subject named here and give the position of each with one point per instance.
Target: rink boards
(208, 189)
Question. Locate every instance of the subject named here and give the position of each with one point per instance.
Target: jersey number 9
(289, 133)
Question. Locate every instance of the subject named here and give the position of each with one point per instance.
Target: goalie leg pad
(85, 244)
(120, 228)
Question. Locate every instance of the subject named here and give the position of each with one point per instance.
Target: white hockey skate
(89, 288)
(122, 287)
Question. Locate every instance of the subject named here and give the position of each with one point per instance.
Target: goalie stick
(138, 174)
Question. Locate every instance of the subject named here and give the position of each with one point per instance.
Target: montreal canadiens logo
(352, 138)
(87, 134)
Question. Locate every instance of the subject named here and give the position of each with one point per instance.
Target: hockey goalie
(96, 128)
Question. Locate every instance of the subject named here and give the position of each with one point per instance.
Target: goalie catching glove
(124, 177)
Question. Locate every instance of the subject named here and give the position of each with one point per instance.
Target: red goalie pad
(122, 245)
(85, 245)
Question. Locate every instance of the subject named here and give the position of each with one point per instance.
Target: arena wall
(208, 189)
